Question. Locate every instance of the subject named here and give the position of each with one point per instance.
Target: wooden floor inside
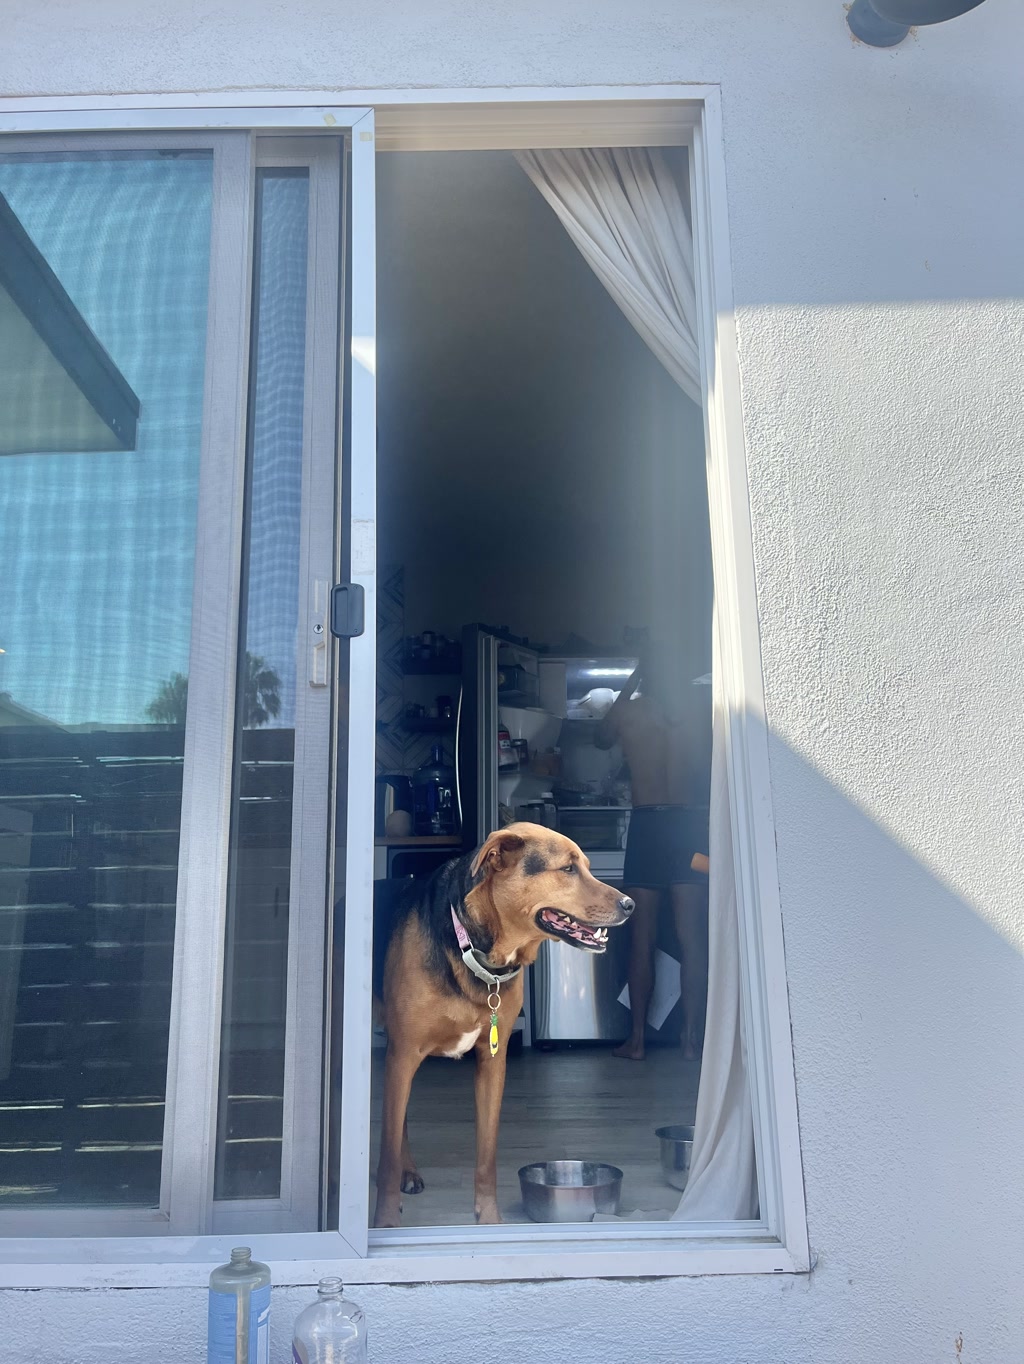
(579, 1103)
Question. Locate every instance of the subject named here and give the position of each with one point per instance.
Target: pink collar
(475, 961)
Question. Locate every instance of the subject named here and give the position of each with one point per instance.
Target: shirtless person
(665, 735)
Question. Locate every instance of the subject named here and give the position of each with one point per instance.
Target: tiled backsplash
(397, 749)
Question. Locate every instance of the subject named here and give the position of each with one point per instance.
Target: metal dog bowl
(569, 1190)
(676, 1150)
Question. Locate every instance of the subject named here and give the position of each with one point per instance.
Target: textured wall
(875, 202)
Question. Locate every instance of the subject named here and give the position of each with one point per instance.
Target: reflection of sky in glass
(96, 550)
(276, 501)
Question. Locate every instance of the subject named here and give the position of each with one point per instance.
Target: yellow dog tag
(494, 1035)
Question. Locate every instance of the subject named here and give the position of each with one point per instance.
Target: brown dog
(454, 963)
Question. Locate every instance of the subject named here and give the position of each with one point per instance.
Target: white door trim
(762, 954)
(357, 967)
(190, 1126)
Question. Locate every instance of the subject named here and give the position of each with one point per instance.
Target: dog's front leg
(490, 1085)
(399, 1069)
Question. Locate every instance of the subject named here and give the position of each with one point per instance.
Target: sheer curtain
(625, 210)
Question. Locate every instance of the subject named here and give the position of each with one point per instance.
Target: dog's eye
(571, 869)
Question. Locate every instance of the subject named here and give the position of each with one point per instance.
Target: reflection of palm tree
(169, 705)
(261, 696)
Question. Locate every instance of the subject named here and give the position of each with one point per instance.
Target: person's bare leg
(643, 927)
(690, 908)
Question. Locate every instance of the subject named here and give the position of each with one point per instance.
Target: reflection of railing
(95, 895)
(16, 842)
(89, 833)
(255, 997)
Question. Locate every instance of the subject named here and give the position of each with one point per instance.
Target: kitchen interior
(542, 516)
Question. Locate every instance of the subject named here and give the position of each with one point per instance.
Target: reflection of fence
(89, 833)
(15, 855)
(90, 824)
(256, 969)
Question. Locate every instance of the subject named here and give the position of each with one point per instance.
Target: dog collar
(472, 958)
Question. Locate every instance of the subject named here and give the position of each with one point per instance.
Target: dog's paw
(412, 1182)
(487, 1214)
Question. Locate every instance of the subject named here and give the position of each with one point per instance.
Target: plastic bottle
(238, 1323)
(331, 1330)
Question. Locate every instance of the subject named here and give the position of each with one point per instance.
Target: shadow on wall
(906, 1009)
(905, 1004)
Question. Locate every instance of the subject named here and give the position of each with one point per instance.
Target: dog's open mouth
(570, 930)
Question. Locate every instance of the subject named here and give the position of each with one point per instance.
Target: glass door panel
(97, 543)
(268, 1129)
(256, 969)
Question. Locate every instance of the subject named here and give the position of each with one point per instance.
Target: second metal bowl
(569, 1190)
(676, 1150)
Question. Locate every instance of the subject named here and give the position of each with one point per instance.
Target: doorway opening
(542, 530)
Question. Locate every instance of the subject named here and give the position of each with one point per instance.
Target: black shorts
(661, 842)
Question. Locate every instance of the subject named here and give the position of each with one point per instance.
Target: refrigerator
(500, 691)
(571, 995)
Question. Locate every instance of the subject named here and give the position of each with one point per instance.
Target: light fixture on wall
(884, 23)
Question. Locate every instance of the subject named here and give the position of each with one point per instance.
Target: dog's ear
(500, 850)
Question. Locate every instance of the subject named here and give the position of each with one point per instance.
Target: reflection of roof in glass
(59, 389)
(96, 552)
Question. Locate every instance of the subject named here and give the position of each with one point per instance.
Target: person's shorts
(662, 840)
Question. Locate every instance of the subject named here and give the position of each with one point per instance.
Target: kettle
(394, 792)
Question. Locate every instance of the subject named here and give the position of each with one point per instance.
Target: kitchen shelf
(596, 809)
(418, 841)
(519, 700)
(444, 665)
(426, 724)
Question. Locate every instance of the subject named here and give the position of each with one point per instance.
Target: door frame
(545, 117)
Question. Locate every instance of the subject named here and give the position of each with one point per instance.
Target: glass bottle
(238, 1320)
(331, 1330)
(433, 787)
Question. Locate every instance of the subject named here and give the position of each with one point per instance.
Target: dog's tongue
(569, 926)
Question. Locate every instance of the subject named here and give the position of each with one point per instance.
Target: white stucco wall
(876, 214)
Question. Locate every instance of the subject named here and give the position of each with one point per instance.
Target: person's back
(668, 759)
(662, 721)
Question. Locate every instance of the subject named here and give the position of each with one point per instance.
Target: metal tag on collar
(495, 995)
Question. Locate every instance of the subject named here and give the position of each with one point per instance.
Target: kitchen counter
(418, 841)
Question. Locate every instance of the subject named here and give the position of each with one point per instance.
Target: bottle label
(226, 1321)
(222, 1328)
(259, 1338)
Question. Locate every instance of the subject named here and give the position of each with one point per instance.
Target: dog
(450, 979)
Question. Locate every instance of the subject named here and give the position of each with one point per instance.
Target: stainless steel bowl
(569, 1190)
(676, 1150)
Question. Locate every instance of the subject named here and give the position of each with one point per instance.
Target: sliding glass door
(97, 557)
(174, 393)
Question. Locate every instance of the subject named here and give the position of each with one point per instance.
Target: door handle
(348, 610)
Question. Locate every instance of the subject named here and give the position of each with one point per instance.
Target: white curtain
(723, 1178)
(625, 211)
